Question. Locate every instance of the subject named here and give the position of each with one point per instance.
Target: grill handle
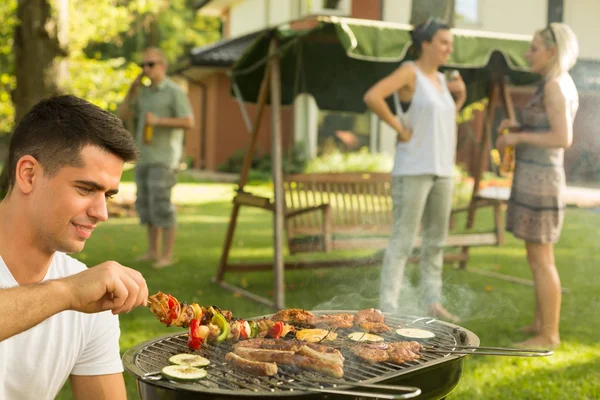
(408, 392)
(491, 351)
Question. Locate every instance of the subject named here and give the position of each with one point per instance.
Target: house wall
(366, 9)
(501, 16)
(582, 17)
(193, 137)
(252, 15)
(224, 131)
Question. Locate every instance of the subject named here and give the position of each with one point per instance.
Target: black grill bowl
(435, 374)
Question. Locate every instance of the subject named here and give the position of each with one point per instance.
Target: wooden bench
(341, 211)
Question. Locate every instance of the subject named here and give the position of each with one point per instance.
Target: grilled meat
(251, 367)
(315, 357)
(397, 353)
(401, 352)
(338, 321)
(371, 320)
(265, 355)
(318, 365)
(294, 316)
(371, 353)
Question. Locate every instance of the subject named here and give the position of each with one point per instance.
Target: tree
(442, 9)
(36, 47)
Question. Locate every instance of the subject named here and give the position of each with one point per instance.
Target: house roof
(223, 53)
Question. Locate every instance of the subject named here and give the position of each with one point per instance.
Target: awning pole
(242, 104)
(278, 265)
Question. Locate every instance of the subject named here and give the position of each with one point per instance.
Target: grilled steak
(338, 321)
(251, 367)
(265, 355)
(294, 316)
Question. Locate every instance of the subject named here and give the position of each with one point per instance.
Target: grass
(491, 308)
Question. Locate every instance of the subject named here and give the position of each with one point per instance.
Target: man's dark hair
(56, 129)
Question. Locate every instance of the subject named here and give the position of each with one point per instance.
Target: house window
(346, 132)
(467, 12)
(326, 7)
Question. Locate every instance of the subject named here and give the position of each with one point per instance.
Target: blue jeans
(416, 199)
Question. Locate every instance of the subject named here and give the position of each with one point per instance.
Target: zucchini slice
(189, 360)
(364, 337)
(183, 373)
(414, 333)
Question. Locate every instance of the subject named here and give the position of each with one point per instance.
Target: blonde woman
(422, 178)
(536, 207)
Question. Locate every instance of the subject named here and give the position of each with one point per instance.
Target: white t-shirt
(36, 363)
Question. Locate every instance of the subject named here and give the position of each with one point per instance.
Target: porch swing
(337, 211)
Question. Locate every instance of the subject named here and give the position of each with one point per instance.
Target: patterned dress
(536, 208)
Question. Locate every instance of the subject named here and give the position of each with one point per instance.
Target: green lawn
(491, 308)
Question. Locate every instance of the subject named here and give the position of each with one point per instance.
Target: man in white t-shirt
(59, 318)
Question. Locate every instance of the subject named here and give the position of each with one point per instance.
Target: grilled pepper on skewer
(211, 324)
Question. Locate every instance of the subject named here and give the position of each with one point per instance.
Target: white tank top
(432, 119)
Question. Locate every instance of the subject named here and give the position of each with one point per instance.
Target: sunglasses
(149, 64)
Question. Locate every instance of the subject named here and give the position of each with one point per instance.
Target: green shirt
(166, 100)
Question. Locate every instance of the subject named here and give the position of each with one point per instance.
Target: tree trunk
(442, 9)
(35, 47)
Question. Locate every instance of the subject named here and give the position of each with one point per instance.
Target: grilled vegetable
(189, 360)
(364, 337)
(197, 335)
(220, 321)
(414, 333)
(276, 331)
(183, 373)
(315, 335)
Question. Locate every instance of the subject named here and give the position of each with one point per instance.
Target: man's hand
(107, 286)
(151, 119)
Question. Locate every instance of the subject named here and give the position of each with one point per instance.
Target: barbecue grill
(432, 376)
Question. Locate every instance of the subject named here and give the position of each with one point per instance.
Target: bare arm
(375, 97)
(125, 110)
(560, 116)
(108, 286)
(178, 122)
(458, 89)
(26, 306)
(99, 387)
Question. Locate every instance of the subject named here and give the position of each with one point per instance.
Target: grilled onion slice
(364, 337)
(315, 335)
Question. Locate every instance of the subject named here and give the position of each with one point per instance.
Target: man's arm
(98, 387)
(108, 286)
(176, 122)
(24, 307)
(126, 109)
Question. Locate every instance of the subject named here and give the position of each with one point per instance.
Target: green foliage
(7, 80)
(90, 80)
(293, 162)
(105, 38)
(360, 161)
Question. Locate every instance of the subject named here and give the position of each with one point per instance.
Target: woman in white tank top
(422, 178)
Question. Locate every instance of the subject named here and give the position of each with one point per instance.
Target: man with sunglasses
(162, 113)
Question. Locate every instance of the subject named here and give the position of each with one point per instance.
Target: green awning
(340, 58)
